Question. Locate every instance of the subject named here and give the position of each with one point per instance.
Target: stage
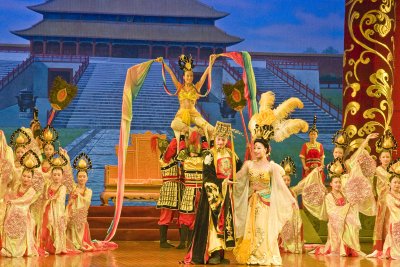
(148, 253)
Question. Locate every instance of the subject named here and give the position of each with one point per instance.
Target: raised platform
(136, 223)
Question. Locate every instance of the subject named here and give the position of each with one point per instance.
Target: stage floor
(148, 253)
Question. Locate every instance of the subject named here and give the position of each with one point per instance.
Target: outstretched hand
(372, 136)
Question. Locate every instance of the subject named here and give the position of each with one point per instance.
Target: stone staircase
(99, 99)
(267, 81)
(6, 66)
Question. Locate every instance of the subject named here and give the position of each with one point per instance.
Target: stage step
(136, 224)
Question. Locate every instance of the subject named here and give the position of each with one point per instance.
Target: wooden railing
(319, 100)
(16, 71)
(295, 65)
(78, 74)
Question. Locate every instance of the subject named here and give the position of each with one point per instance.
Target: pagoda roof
(158, 8)
(188, 33)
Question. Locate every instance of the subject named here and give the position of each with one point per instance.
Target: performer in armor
(312, 153)
(214, 226)
(188, 93)
(191, 158)
(170, 191)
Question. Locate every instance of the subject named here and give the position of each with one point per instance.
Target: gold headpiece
(280, 128)
(288, 165)
(48, 135)
(186, 63)
(386, 142)
(58, 160)
(394, 167)
(336, 168)
(82, 162)
(30, 160)
(340, 139)
(314, 126)
(20, 138)
(264, 132)
(223, 129)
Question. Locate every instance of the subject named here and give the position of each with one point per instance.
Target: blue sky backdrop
(266, 25)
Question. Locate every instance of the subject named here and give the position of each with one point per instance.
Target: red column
(77, 48)
(166, 51)
(198, 53)
(110, 49)
(396, 89)
(44, 47)
(30, 46)
(61, 47)
(182, 50)
(150, 51)
(368, 69)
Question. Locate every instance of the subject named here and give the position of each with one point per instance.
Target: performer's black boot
(215, 258)
(163, 237)
(183, 232)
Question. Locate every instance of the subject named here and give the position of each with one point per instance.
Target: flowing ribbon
(135, 77)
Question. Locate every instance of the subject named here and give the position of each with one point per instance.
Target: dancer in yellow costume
(188, 93)
(263, 203)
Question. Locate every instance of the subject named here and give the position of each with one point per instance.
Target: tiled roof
(167, 8)
(129, 31)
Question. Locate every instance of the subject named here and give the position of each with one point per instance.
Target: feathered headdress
(186, 63)
(340, 139)
(288, 165)
(336, 168)
(280, 128)
(20, 138)
(386, 142)
(58, 160)
(48, 135)
(82, 163)
(314, 126)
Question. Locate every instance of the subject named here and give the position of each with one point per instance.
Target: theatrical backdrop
(90, 47)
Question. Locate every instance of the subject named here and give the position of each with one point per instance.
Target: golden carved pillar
(396, 90)
(368, 68)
